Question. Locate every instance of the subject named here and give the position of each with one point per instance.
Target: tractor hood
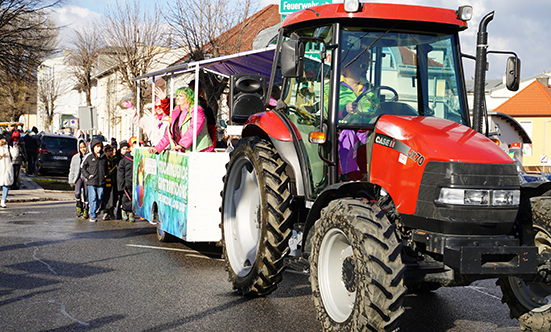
(402, 146)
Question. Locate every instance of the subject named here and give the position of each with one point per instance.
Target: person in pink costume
(155, 124)
(179, 135)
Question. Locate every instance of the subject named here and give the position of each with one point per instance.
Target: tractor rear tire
(529, 301)
(356, 268)
(256, 217)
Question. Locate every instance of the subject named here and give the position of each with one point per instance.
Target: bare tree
(49, 90)
(83, 60)
(23, 24)
(211, 27)
(111, 104)
(134, 36)
(18, 64)
(203, 25)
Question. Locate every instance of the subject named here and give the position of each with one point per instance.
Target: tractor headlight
(464, 13)
(506, 197)
(351, 6)
(478, 197)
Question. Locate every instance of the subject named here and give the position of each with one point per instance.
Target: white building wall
(69, 99)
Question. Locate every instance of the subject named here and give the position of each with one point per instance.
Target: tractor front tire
(356, 268)
(530, 301)
(256, 217)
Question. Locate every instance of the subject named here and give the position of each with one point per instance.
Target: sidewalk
(32, 192)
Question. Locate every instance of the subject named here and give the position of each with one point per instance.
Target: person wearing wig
(179, 135)
(155, 124)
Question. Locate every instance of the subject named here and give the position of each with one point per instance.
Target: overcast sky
(518, 26)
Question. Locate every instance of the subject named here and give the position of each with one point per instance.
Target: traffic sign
(543, 159)
(287, 7)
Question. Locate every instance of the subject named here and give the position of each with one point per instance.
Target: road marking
(207, 257)
(160, 248)
(62, 309)
(41, 261)
(194, 253)
(478, 289)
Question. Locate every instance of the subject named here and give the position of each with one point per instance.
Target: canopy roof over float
(248, 62)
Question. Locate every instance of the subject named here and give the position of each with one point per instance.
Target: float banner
(162, 178)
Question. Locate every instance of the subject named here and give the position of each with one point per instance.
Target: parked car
(532, 177)
(55, 152)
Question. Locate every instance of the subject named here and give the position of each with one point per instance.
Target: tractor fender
(273, 125)
(284, 136)
(330, 193)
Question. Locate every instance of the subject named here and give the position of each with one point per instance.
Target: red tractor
(369, 174)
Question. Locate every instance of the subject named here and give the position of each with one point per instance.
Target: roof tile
(534, 100)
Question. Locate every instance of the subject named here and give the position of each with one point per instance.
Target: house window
(527, 125)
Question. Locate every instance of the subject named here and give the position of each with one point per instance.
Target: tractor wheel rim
(336, 266)
(242, 215)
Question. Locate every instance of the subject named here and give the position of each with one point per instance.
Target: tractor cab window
(387, 72)
(303, 95)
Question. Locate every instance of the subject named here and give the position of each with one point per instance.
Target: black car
(55, 152)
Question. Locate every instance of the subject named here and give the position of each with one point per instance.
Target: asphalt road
(62, 274)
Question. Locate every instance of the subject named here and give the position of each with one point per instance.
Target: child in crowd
(77, 181)
(110, 195)
(125, 180)
(94, 170)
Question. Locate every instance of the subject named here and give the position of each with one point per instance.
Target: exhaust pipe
(480, 72)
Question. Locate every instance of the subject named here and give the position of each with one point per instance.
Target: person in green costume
(179, 136)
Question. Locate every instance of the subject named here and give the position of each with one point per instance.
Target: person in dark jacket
(94, 171)
(110, 195)
(77, 180)
(31, 148)
(125, 180)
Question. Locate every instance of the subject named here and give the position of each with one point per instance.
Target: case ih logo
(384, 140)
(392, 143)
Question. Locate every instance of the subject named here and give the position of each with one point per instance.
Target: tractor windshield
(400, 73)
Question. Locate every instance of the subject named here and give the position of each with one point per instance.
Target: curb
(35, 193)
(37, 199)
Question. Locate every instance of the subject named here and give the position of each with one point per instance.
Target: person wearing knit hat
(77, 181)
(94, 171)
(125, 181)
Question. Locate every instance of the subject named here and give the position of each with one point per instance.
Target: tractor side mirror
(292, 58)
(512, 74)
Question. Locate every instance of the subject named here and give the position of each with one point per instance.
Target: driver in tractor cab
(356, 106)
(354, 66)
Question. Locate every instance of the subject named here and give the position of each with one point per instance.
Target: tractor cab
(356, 75)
